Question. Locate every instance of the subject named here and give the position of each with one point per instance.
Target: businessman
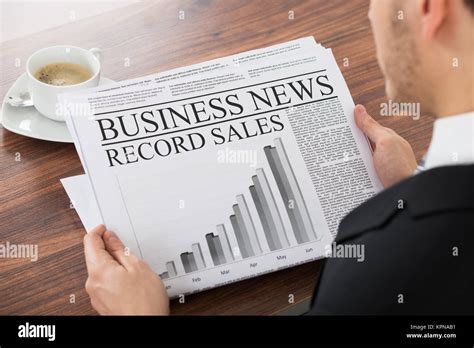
(418, 234)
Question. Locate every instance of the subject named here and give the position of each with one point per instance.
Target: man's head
(425, 50)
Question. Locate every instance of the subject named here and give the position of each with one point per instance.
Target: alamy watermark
(392, 108)
(28, 330)
(74, 108)
(19, 251)
(229, 156)
(345, 251)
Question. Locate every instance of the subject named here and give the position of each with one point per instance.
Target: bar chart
(243, 222)
(170, 271)
(290, 192)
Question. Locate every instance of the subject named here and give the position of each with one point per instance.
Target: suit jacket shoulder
(417, 240)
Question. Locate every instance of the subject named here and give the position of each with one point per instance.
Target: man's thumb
(112, 242)
(371, 128)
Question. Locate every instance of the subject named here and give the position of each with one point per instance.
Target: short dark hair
(470, 5)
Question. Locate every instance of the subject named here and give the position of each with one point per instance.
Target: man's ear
(432, 13)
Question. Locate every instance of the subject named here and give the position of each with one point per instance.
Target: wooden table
(151, 37)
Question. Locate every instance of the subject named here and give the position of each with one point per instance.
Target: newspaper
(226, 169)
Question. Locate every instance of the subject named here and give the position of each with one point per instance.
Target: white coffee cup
(45, 96)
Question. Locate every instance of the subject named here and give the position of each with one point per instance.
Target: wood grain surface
(34, 208)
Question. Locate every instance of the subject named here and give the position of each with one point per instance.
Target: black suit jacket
(408, 252)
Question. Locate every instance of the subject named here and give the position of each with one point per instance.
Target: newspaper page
(228, 174)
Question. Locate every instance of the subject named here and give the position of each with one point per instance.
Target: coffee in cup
(63, 74)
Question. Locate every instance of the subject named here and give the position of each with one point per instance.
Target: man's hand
(394, 159)
(119, 283)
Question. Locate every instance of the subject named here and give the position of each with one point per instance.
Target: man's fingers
(94, 248)
(117, 249)
(99, 229)
(367, 124)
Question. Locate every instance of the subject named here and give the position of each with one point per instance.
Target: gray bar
(189, 263)
(228, 254)
(243, 231)
(290, 192)
(286, 194)
(198, 256)
(302, 208)
(164, 275)
(220, 251)
(239, 236)
(270, 233)
(249, 225)
(211, 243)
(185, 261)
(262, 187)
(171, 268)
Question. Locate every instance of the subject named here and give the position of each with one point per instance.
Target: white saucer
(29, 122)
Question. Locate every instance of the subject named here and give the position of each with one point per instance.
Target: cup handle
(97, 53)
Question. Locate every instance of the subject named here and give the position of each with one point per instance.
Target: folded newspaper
(222, 170)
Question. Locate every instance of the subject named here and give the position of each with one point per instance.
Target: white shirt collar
(452, 142)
